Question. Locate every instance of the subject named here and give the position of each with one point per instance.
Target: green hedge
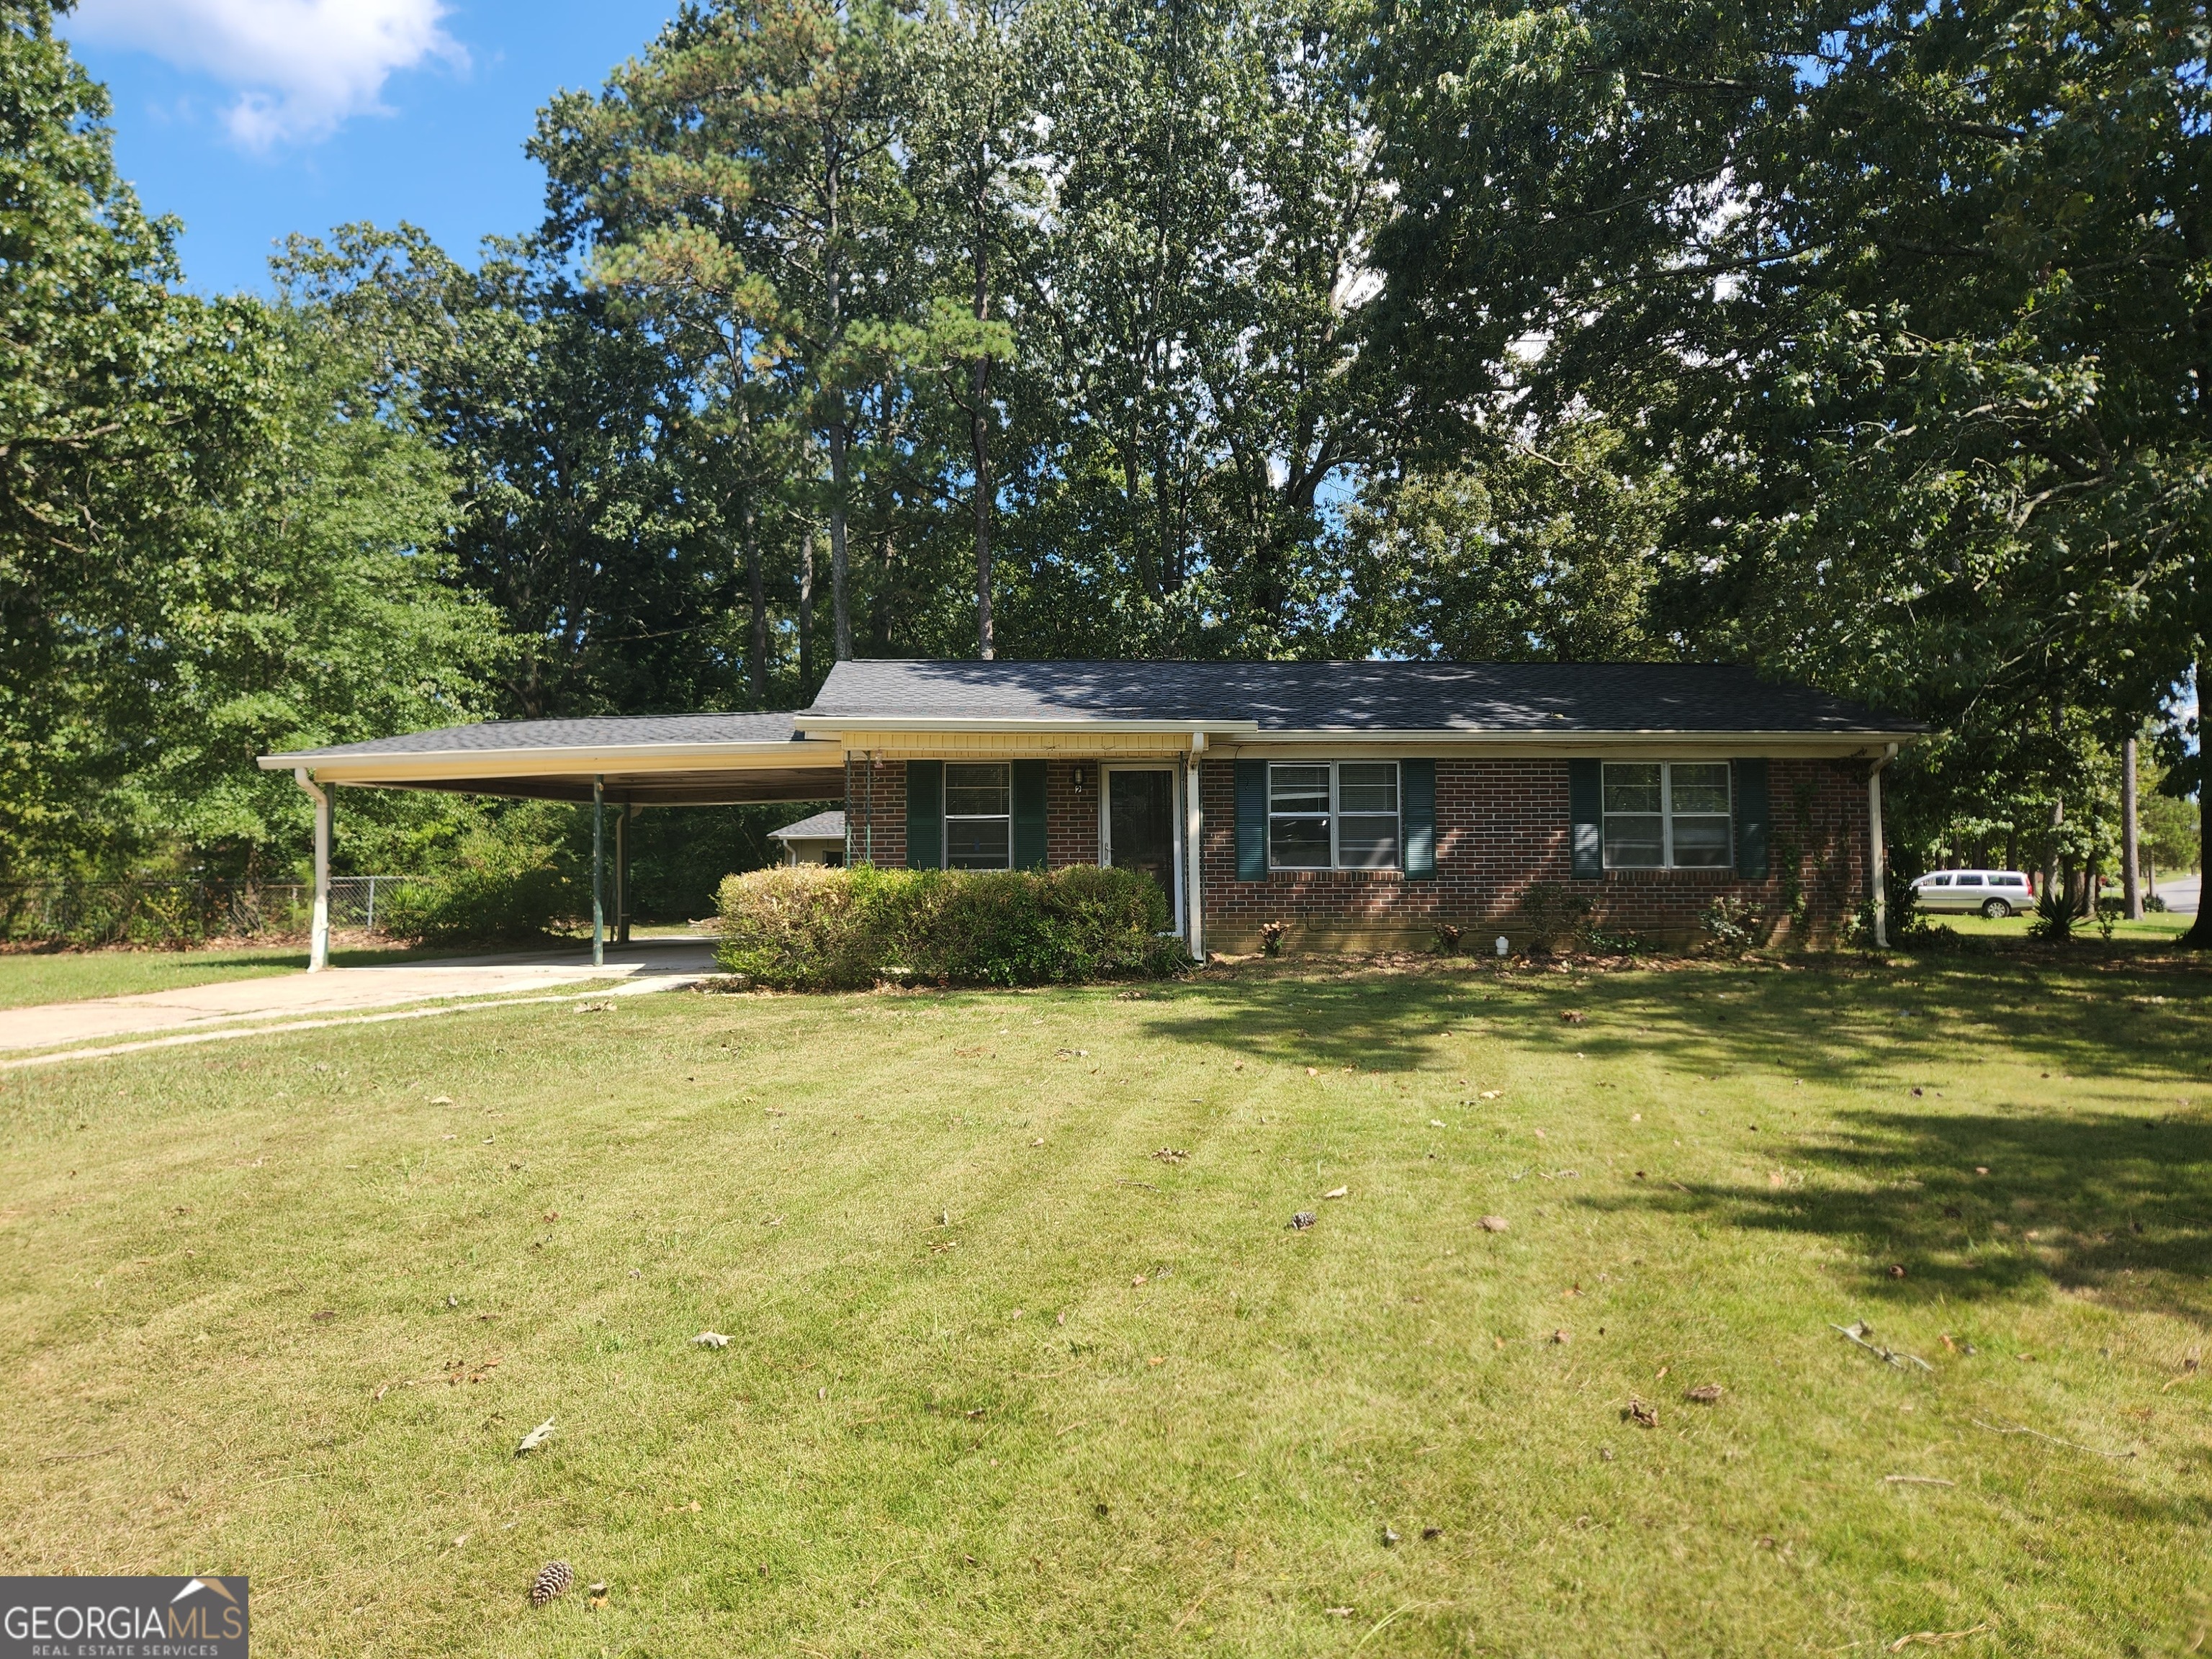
(815, 929)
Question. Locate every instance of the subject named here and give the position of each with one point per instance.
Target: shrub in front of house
(813, 929)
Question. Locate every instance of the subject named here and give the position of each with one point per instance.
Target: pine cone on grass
(552, 1578)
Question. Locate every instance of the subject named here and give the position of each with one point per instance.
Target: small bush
(815, 929)
(2054, 913)
(1730, 926)
(1555, 915)
(2153, 905)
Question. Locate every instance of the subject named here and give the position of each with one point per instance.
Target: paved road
(348, 990)
(2180, 893)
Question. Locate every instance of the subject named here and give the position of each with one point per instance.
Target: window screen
(979, 825)
(1667, 814)
(1340, 815)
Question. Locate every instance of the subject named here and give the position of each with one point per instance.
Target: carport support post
(598, 871)
(2130, 837)
(318, 936)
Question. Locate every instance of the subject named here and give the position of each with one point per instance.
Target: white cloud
(299, 67)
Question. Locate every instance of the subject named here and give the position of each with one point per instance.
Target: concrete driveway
(657, 964)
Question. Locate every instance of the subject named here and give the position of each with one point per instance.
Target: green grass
(29, 978)
(2154, 930)
(986, 1395)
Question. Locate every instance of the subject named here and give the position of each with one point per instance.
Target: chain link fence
(162, 912)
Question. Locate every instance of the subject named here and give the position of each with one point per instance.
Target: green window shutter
(1029, 815)
(925, 815)
(1586, 803)
(1251, 820)
(1417, 802)
(1753, 819)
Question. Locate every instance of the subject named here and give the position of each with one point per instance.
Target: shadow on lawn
(2107, 1203)
(1839, 1020)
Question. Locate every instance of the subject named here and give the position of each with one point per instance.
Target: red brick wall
(1071, 814)
(1501, 826)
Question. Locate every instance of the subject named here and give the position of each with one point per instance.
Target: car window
(2010, 881)
(1939, 881)
(1970, 881)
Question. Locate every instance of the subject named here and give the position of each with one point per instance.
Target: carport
(628, 762)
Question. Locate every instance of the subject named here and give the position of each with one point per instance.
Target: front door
(1140, 832)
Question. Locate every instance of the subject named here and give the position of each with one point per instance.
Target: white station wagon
(1992, 892)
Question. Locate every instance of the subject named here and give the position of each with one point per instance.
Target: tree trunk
(979, 439)
(2199, 936)
(841, 595)
(2131, 846)
(807, 614)
(2051, 843)
(756, 635)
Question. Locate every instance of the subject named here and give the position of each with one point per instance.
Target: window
(2008, 881)
(1969, 881)
(1340, 815)
(978, 818)
(1666, 814)
(1937, 881)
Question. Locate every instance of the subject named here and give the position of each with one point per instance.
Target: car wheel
(1997, 909)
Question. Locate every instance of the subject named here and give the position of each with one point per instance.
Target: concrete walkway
(664, 963)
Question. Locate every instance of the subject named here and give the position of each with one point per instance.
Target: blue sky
(252, 118)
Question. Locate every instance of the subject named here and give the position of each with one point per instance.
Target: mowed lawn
(1025, 1358)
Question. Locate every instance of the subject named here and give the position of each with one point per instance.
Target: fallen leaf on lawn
(1562, 1336)
(1494, 1224)
(1302, 1221)
(552, 1215)
(1139, 1279)
(1338, 1613)
(1338, 1192)
(1389, 1535)
(442, 1100)
(1776, 1178)
(1039, 1141)
(710, 1340)
(1432, 1532)
(1574, 1017)
(1638, 1412)
(323, 1316)
(1491, 1094)
(1312, 1072)
(1435, 1123)
(537, 1438)
(1157, 1359)
(1704, 1394)
(1170, 1154)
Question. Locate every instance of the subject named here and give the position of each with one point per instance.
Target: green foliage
(512, 883)
(1555, 913)
(816, 929)
(1730, 926)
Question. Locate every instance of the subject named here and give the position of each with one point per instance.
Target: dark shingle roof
(823, 826)
(610, 730)
(1351, 696)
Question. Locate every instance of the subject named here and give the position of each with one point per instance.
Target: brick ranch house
(1359, 805)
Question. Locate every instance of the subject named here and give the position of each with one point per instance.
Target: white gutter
(1193, 858)
(1058, 724)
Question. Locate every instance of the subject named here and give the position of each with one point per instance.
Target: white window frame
(1105, 773)
(1666, 816)
(1335, 817)
(947, 818)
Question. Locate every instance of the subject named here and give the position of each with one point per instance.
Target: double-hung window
(979, 817)
(1334, 815)
(1666, 815)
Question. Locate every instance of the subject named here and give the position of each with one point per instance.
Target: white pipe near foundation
(1878, 852)
(1194, 857)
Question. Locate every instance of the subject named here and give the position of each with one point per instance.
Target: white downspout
(1878, 853)
(318, 938)
(1194, 852)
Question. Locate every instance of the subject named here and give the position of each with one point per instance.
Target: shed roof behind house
(1348, 697)
(823, 826)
